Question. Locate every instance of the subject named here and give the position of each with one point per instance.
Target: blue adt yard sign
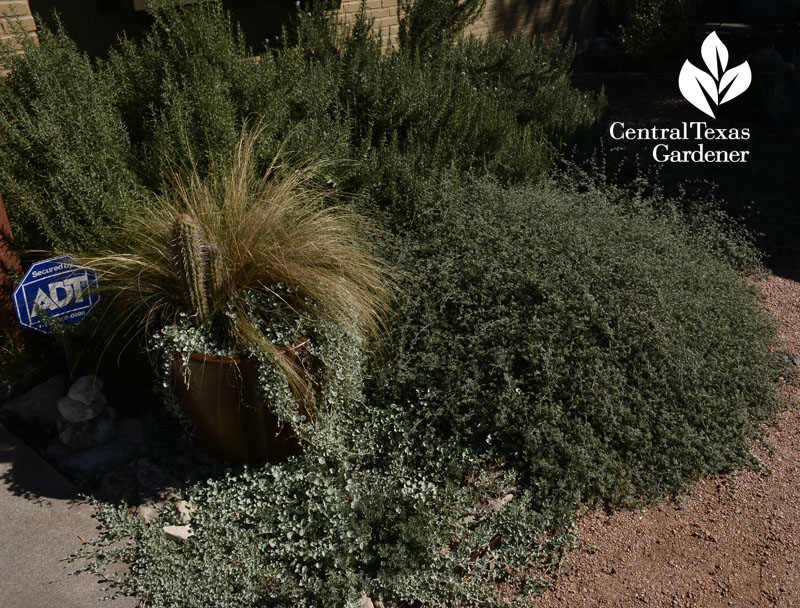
(55, 289)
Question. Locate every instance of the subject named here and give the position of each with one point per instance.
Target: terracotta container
(230, 419)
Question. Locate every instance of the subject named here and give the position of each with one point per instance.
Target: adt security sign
(55, 289)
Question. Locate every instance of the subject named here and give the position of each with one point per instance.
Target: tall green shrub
(84, 139)
(504, 108)
(655, 29)
(184, 90)
(66, 172)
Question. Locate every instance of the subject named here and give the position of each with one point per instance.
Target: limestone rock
(365, 601)
(86, 389)
(179, 533)
(499, 503)
(126, 444)
(117, 484)
(148, 513)
(90, 433)
(185, 510)
(78, 411)
(57, 451)
(39, 405)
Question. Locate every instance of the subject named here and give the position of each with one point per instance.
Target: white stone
(153, 482)
(127, 444)
(366, 601)
(57, 451)
(38, 405)
(185, 510)
(86, 389)
(499, 503)
(147, 512)
(179, 533)
(78, 411)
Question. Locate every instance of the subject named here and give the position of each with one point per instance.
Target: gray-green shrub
(81, 138)
(374, 508)
(588, 335)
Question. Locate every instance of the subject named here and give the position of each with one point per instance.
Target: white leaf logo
(736, 80)
(715, 54)
(717, 85)
(692, 82)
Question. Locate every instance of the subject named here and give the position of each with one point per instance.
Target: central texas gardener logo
(704, 90)
(719, 84)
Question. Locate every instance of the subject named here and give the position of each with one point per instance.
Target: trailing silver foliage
(338, 350)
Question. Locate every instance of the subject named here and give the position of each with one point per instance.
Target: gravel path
(734, 541)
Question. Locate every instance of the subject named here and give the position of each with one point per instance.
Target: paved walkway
(41, 521)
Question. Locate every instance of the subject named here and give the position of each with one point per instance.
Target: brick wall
(15, 13)
(562, 18)
(96, 24)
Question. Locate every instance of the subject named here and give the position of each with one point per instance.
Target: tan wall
(15, 13)
(562, 18)
(97, 28)
(383, 11)
(95, 25)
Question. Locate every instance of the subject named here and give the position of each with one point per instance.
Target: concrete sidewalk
(41, 520)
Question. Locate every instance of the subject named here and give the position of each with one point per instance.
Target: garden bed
(566, 333)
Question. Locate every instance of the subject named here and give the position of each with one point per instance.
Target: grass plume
(255, 231)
